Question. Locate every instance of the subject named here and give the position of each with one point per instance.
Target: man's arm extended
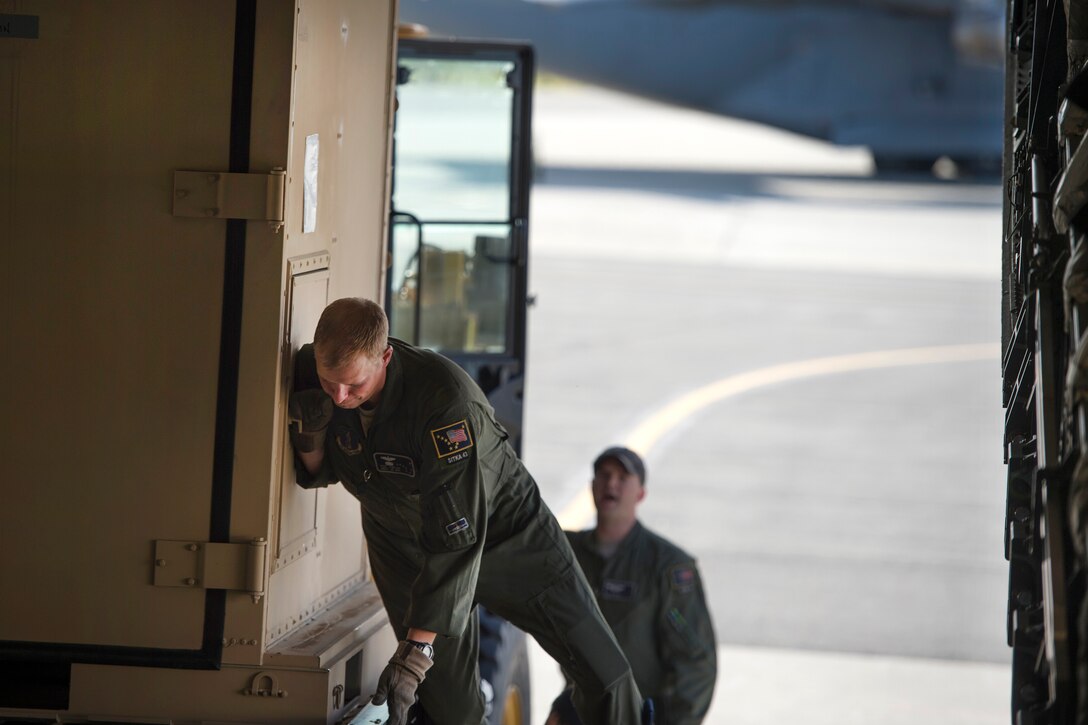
(309, 412)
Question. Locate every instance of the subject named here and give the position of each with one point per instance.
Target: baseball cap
(627, 458)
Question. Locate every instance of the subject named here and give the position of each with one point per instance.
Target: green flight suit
(652, 596)
(452, 518)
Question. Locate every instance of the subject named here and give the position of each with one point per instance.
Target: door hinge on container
(203, 565)
(222, 195)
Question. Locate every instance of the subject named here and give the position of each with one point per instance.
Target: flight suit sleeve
(453, 509)
(324, 476)
(689, 648)
(304, 377)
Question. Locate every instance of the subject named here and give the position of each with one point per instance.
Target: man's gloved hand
(398, 682)
(309, 413)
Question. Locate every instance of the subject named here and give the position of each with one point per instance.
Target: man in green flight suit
(650, 593)
(451, 516)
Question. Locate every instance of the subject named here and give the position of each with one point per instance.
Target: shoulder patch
(682, 578)
(348, 442)
(452, 439)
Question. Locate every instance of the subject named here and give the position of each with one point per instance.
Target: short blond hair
(349, 327)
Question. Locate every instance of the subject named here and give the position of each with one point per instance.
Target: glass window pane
(453, 140)
(466, 282)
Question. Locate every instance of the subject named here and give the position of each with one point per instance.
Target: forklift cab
(458, 240)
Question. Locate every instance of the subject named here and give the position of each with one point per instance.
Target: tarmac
(807, 354)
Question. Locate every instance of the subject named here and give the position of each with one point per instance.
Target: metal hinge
(203, 565)
(219, 195)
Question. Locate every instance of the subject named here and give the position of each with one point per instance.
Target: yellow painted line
(580, 513)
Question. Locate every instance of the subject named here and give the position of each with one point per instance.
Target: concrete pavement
(848, 526)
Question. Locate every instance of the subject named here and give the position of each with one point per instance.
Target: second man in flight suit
(651, 594)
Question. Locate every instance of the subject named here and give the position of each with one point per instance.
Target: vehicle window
(452, 249)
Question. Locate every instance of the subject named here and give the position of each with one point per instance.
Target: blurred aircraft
(912, 80)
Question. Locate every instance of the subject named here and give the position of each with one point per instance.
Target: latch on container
(203, 565)
(222, 195)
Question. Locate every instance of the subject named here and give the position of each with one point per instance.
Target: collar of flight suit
(393, 388)
(633, 537)
(626, 543)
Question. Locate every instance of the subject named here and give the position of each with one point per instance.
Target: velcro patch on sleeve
(452, 439)
(682, 578)
(456, 527)
(680, 624)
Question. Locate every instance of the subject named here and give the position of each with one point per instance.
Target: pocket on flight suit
(595, 659)
(446, 526)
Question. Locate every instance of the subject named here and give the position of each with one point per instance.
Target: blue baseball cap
(627, 458)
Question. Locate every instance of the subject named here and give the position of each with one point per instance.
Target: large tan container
(183, 186)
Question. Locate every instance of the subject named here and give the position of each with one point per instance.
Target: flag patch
(683, 578)
(452, 439)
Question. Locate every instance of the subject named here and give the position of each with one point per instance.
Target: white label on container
(309, 186)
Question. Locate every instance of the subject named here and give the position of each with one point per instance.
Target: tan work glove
(398, 682)
(309, 413)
